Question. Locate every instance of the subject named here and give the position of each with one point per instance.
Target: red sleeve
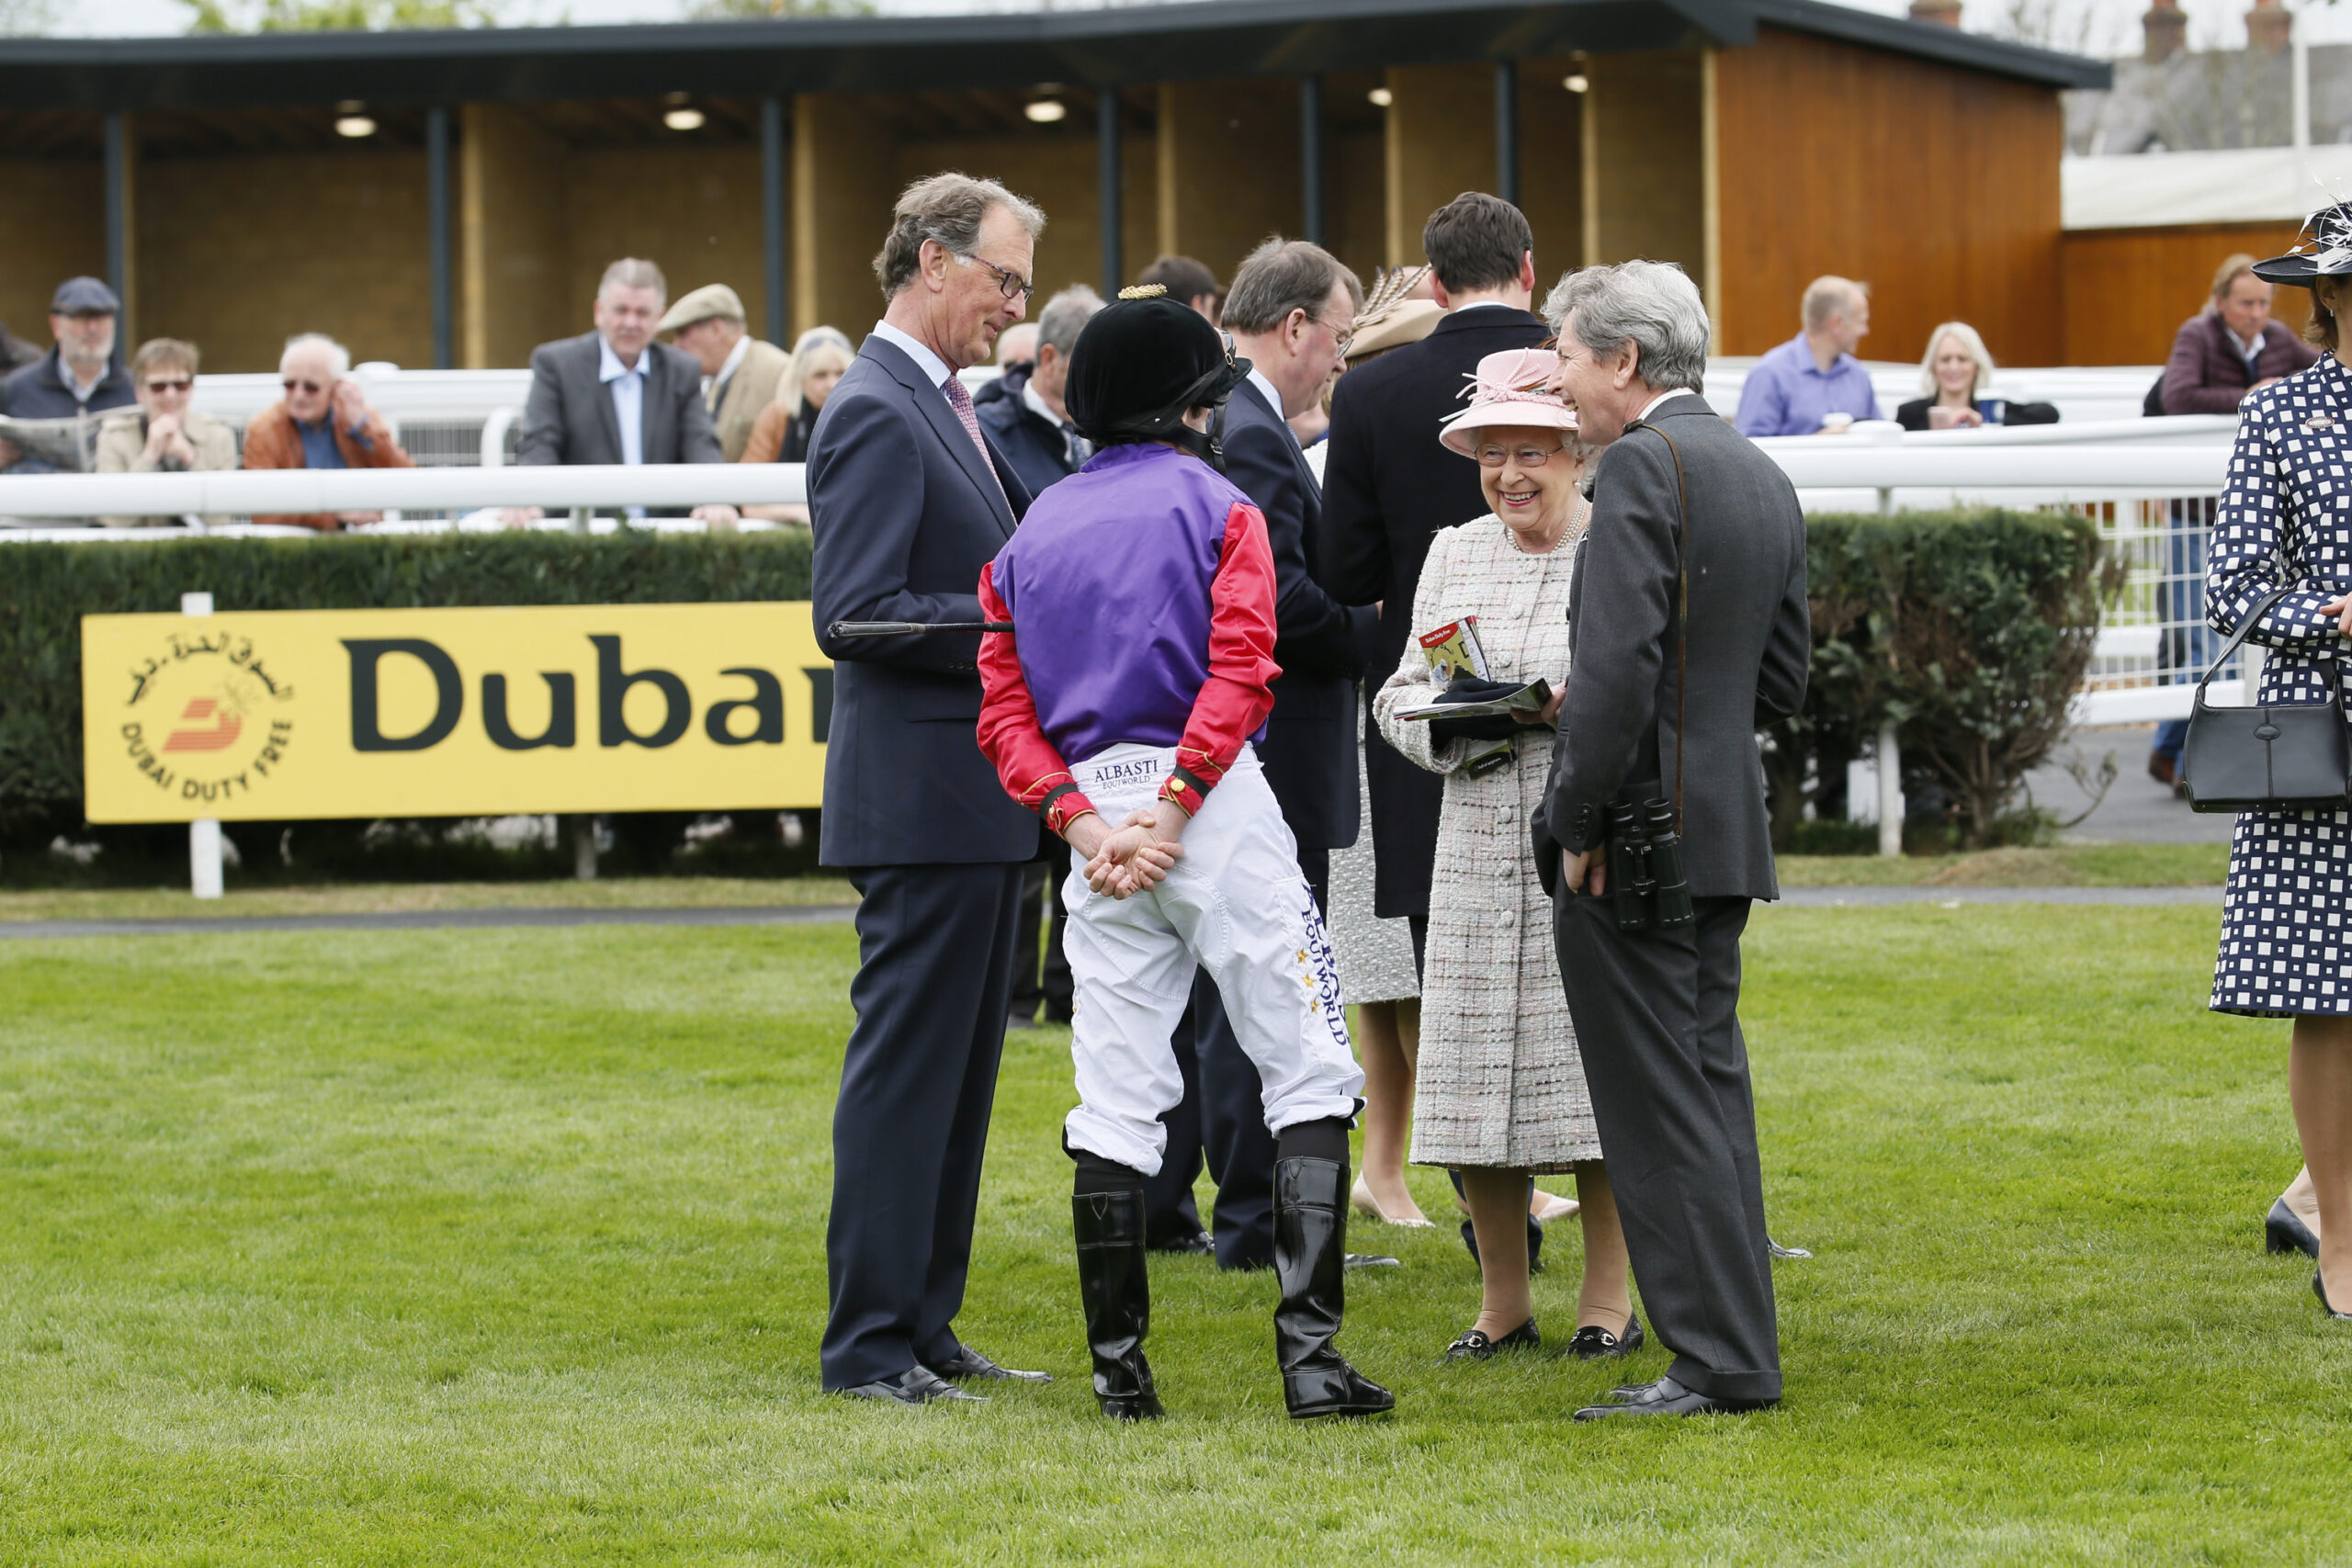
(1032, 770)
(1239, 694)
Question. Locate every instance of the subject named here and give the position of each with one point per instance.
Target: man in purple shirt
(1804, 387)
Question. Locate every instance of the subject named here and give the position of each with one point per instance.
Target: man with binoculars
(1689, 629)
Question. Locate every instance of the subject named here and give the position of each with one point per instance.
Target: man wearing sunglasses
(323, 422)
(163, 435)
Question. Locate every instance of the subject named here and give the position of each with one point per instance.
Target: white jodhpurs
(1237, 906)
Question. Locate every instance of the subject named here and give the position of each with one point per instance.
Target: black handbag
(2281, 757)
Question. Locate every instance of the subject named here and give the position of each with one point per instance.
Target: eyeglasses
(1011, 284)
(179, 386)
(1339, 338)
(292, 385)
(1521, 457)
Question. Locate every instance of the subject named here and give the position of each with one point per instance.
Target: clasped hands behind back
(1125, 860)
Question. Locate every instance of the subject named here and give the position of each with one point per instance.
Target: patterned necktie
(961, 401)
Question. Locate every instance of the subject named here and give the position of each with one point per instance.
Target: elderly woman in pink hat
(1500, 1094)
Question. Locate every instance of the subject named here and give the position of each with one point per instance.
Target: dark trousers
(1658, 1025)
(1223, 1117)
(934, 973)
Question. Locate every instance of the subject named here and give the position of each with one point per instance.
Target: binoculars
(1645, 868)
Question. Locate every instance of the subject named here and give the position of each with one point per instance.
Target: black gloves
(1470, 689)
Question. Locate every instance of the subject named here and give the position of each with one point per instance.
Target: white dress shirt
(1266, 390)
(628, 386)
(927, 362)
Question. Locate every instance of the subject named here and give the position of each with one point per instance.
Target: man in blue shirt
(1804, 387)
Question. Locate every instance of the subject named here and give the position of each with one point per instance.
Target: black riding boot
(1310, 1257)
(1117, 1292)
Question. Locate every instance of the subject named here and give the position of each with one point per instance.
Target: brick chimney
(2167, 29)
(1936, 13)
(2268, 27)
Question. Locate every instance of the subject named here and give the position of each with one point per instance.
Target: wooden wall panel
(2127, 292)
(1551, 166)
(1228, 169)
(1441, 143)
(53, 215)
(1936, 185)
(692, 210)
(1643, 159)
(844, 180)
(513, 244)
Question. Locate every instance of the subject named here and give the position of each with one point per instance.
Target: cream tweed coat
(1501, 1083)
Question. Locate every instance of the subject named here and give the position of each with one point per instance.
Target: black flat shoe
(1197, 1244)
(1666, 1397)
(916, 1385)
(1594, 1343)
(969, 1363)
(1777, 1250)
(2283, 1231)
(2318, 1288)
(1476, 1346)
(1370, 1260)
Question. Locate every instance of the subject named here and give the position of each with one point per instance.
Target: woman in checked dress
(2285, 519)
(1499, 1092)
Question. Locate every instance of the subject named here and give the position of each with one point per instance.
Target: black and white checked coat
(2285, 517)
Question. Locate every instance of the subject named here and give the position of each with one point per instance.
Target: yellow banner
(453, 713)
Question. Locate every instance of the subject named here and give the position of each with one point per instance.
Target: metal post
(1507, 130)
(584, 845)
(118, 199)
(436, 243)
(204, 833)
(1313, 201)
(1890, 791)
(1111, 195)
(772, 254)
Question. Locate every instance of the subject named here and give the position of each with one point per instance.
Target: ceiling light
(683, 119)
(1046, 111)
(1577, 82)
(1381, 97)
(354, 125)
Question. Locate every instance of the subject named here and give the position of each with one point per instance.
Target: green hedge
(1970, 630)
(46, 589)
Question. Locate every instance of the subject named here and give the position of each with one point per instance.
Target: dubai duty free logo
(206, 721)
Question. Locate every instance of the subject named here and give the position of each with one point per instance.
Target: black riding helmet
(1141, 364)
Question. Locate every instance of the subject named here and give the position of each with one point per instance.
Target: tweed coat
(1500, 1083)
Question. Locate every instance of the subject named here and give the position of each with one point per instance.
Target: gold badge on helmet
(1144, 291)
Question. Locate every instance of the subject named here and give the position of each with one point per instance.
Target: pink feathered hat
(1507, 389)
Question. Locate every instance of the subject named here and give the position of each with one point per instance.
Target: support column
(1430, 160)
(122, 153)
(1311, 160)
(844, 179)
(1228, 151)
(436, 222)
(1111, 189)
(774, 256)
(1507, 131)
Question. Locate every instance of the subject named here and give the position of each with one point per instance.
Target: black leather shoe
(1627, 1390)
(1777, 1250)
(1594, 1343)
(2283, 1231)
(970, 1363)
(916, 1385)
(1666, 1397)
(1474, 1346)
(1372, 1260)
(1199, 1244)
(2318, 1288)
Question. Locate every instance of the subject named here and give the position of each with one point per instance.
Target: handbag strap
(2246, 627)
(1681, 617)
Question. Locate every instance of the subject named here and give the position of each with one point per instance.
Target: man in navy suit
(906, 503)
(1291, 309)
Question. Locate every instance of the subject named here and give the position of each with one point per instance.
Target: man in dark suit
(1388, 486)
(615, 395)
(907, 503)
(1290, 310)
(1691, 631)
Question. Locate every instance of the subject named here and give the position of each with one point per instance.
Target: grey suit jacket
(1751, 642)
(569, 416)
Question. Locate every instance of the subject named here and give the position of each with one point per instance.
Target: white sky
(2098, 27)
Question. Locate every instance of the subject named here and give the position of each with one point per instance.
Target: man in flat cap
(77, 377)
(738, 371)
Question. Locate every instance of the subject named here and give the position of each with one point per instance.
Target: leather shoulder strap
(1681, 616)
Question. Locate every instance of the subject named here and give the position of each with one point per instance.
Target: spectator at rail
(1016, 357)
(2231, 347)
(782, 433)
(323, 422)
(1813, 384)
(738, 371)
(163, 436)
(1955, 375)
(1032, 429)
(613, 395)
(1190, 281)
(77, 377)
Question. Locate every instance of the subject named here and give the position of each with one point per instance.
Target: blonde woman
(1500, 1091)
(781, 433)
(1955, 377)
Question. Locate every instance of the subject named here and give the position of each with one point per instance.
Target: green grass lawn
(506, 1246)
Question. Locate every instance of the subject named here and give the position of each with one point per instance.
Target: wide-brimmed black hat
(2323, 250)
(1141, 363)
